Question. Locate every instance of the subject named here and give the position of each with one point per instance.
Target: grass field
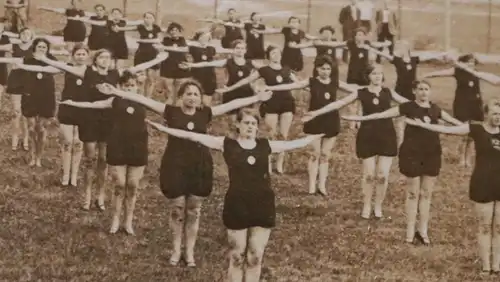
(44, 236)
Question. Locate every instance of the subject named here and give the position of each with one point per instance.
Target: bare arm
(302, 45)
(126, 28)
(7, 60)
(398, 98)
(212, 142)
(146, 65)
(448, 118)
(103, 104)
(334, 44)
(247, 80)
(331, 107)
(55, 10)
(237, 25)
(134, 23)
(282, 146)
(290, 86)
(89, 21)
(390, 113)
(34, 68)
(487, 58)
(463, 129)
(430, 55)
(63, 66)
(383, 54)
(240, 103)
(151, 41)
(440, 73)
(488, 77)
(214, 64)
(150, 104)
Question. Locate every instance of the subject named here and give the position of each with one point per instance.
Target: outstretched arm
(103, 104)
(247, 80)
(398, 98)
(150, 104)
(390, 113)
(282, 146)
(55, 10)
(448, 118)
(290, 86)
(212, 142)
(430, 55)
(240, 103)
(440, 73)
(463, 129)
(63, 66)
(35, 68)
(207, 64)
(488, 77)
(89, 21)
(331, 107)
(146, 65)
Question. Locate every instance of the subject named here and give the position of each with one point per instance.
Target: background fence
(467, 25)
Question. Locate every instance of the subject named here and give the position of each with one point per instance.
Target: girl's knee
(254, 257)
(324, 157)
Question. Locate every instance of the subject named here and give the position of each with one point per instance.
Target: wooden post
(158, 14)
(488, 40)
(400, 19)
(447, 31)
(125, 4)
(216, 8)
(309, 8)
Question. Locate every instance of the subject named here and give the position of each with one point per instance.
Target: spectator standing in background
(16, 17)
(366, 8)
(349, 19)
(387, 26)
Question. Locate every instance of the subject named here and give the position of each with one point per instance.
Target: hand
(158, 47)
(311, 138)
(415, 122)
(292, 45)
(66, 102)
(308, 116)
(114, 28)
(264, 95)
(106, 88)
(451, 55)
(40, 57)
(185, 65)
(162, 55)
(73, 18)
(221, 90)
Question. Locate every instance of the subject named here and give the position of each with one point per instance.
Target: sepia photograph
(250, 140)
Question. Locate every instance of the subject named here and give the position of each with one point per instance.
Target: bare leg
(193, 209)
(383, 168)
(237, 246)
(90, 150)
(369, 166)
(424, 206)
(313, 165)
(67, 149)
(42, 137)
(271, 120)
(102, 171)
(33, 139)
(119, 174)
(16, 121)
(134, 176)
(495, 264)
(285, 123)
(412, 197)
(485, 215)
(177, 216)
(257, 242)
(324, 162)
(76, 157)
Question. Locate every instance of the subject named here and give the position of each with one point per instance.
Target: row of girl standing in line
(186, 171)
(462, 68)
